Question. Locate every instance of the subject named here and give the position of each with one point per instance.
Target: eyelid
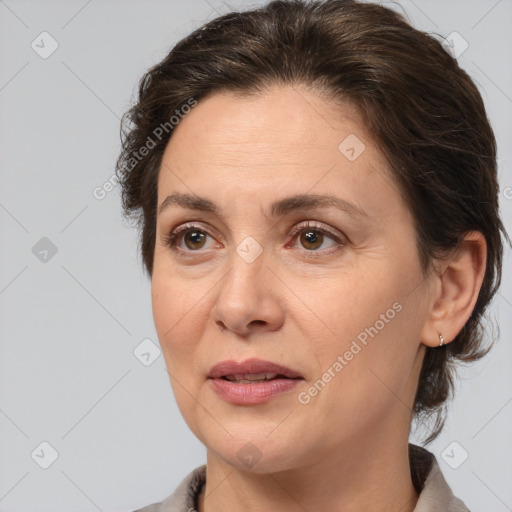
(308, 224)
(169, 239)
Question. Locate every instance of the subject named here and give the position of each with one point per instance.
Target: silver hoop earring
(441, 339)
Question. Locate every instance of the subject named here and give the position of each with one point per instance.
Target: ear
(457, 284)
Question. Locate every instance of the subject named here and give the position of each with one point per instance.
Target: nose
(248, 298)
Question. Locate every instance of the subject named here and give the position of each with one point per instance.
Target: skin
(299, 304)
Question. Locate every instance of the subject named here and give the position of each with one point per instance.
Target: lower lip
(248, 394)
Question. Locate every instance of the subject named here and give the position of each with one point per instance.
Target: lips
(252, 382)
(251, 369)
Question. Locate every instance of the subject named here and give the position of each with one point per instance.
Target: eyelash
(171, 238)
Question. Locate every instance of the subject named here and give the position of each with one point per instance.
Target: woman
(316, 189)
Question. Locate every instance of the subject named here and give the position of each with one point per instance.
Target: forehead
(283, 118)
(285, 139)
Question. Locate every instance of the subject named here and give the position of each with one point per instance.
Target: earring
(441, 339)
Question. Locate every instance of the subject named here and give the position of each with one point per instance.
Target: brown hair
(424, 112)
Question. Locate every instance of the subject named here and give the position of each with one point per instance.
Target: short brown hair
(423, 111)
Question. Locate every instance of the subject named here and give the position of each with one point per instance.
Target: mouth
(251, 370)
(253, 381)
(250, 378)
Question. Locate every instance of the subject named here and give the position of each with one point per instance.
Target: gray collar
(435, 495)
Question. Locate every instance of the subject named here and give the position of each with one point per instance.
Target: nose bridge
(250, 251)
(245, 297)
(247, 266)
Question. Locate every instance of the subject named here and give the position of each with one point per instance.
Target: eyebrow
(278, 208)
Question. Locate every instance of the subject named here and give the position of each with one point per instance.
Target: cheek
(176, 306)
(352, 301)
(178, 314)
(379, 356)
(373, 321)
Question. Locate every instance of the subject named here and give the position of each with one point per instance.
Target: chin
(257, 454)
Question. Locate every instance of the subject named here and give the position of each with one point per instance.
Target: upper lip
(249, 366)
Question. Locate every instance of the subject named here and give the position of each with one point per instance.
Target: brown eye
(187, 238)
(194, 239)
(311, 239)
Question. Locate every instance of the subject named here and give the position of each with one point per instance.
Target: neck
(362, 477)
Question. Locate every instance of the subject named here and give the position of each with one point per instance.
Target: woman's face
(333, 292)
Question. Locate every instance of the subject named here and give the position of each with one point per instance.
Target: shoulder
(435, 495)
(184, 498)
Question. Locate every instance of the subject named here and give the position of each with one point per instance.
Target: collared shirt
(434, 493)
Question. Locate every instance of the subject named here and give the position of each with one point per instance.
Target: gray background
(70, 323)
